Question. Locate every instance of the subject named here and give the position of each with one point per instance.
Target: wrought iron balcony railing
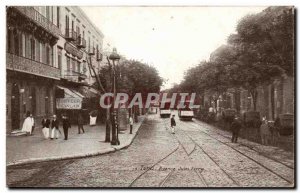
(39, 19)
(21, 64)
(74, 76)
(99, 56)
(81, 42)
(91, 51)
(71, 35)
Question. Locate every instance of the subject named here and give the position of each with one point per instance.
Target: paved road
(193, 157)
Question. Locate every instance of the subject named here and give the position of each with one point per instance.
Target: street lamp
(114, 56)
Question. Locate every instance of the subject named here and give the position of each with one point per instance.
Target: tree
(264, 49)
(133, 77)
(99, 84)
(261, 51)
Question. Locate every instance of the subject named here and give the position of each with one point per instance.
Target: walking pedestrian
(28, 124)
(46, 127)
(264, 132)
(54, 128)
(80, 123)
(66, 126)
(173, 124)
(236, 125)
(45, 122)
(131, 123)
(273, 133)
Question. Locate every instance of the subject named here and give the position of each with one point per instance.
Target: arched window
(68, 64)
(9, 40)
(16, 43)
(21, 44)
(33, 56)
(47, 55)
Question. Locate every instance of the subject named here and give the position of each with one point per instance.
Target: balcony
(98, 56)
(91, 51)
(74, 76)
(71, 35)
(39, 19)
(21, 64)
(81, 42)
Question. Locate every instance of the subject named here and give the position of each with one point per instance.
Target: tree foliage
(261, 50)
(132, 77)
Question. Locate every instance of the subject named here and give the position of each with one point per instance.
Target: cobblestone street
(196, 156)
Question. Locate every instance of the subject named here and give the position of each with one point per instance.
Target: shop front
(75, 100)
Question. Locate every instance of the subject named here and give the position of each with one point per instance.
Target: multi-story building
(80, 43)
(46, 61)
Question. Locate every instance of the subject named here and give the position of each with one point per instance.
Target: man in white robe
(28, 124)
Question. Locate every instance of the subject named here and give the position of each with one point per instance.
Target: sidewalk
(271, 152)
(28, 149)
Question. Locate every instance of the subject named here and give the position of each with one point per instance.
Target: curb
(112, 149)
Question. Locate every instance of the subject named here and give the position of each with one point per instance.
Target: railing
(81, 42)
(91, 51)
(73, 75)
(21, 64)
(39, 19)
(71, 35)
(99, 56)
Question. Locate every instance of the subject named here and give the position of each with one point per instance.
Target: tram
(186, 113)
(165, 112)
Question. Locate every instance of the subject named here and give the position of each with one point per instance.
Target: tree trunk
(253, 93)
(237, 100)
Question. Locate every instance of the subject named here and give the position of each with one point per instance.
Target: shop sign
(68, 103)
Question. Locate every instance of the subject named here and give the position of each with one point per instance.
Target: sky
(172, 39)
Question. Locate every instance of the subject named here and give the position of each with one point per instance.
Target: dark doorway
(15, 107)
(33, 101)
(272, 102)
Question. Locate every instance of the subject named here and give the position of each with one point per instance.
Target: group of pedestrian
(269, 131)
(50, 128)
(52, 131)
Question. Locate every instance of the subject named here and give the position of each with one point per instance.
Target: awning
(70, 93)
(72, 99)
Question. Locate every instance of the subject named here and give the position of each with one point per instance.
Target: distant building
(47, 50)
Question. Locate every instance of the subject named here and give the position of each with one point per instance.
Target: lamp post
(114, 56)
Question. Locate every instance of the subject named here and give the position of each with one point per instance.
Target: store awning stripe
(81, 96)
(69, 92)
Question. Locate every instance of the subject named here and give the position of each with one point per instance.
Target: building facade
(47, 50)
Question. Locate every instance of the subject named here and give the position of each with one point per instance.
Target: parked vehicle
(186, 113)
(165, 112)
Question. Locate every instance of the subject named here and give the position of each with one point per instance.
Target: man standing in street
(66, 126)
(235, 128)
(46, 127)
(173, 124)
(80, 123)
(54, 128)
(131, 123)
